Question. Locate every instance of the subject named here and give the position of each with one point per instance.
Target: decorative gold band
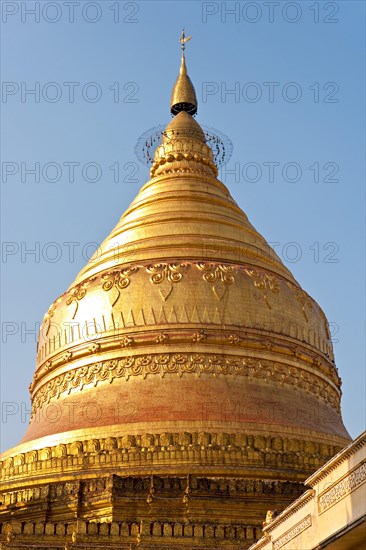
(139, 452)
(183, 364)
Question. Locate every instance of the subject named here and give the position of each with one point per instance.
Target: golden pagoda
(183, 389)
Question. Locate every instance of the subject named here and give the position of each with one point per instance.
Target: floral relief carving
(48, 365)
(220, 275)
(117, 280)
(344, 487)
(233, 339)
(210, 366)
(292, 533)
(199, 336)
(303, 299)
(161, 338)
(77, 293)
(197, 363)
(171, 272)
(94, 347)
(47, 318)
(265, 282)
(127, 341)
(170, 367)
(266, 344)
(67, 356)
(179, 359)
(166, 275)
(152, 368)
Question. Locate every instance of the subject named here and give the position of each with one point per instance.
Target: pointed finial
(183, 40)
(183, 95)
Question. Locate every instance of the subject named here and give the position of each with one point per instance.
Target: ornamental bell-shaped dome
(186, 331)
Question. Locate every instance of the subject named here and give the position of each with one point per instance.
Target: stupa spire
(183, 96)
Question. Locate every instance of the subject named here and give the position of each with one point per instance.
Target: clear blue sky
(311, 52)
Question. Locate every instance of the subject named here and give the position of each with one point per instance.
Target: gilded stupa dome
(186, 329)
